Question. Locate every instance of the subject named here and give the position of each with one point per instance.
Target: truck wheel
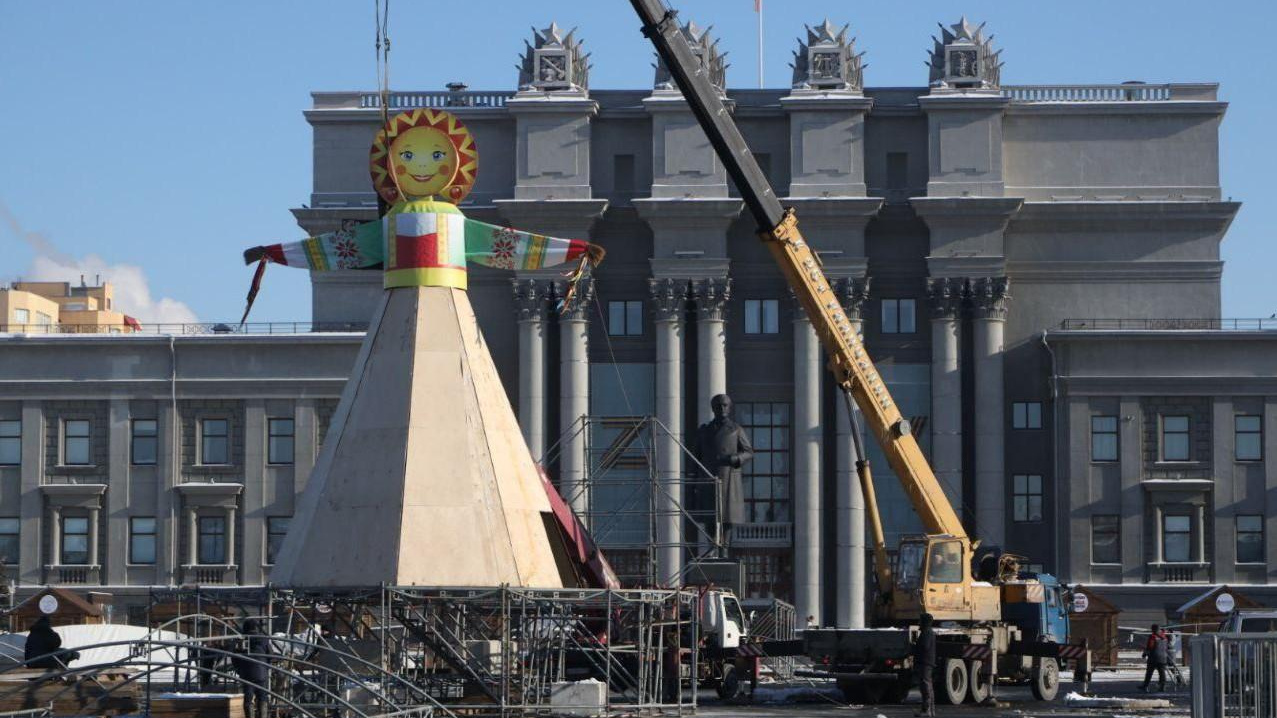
(951, 681)
(730, 687)
(978, 688)
(1045, 681)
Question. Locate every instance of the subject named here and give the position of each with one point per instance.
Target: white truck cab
(722, 618)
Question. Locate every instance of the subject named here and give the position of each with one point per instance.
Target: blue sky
(167, 136)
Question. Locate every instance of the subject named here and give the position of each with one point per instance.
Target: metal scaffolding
(475, 651)
(623, 500)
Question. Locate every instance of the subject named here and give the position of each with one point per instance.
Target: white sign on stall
(1225, 603)
(1081, 603)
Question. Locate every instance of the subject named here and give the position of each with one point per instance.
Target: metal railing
(1234, 675)
(1089, 93)
(1209, 324)
(189, 328)
(438, 99)
(762, 534)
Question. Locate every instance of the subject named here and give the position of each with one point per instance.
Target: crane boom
(778, 228)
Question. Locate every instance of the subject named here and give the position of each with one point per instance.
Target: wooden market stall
(63, 607)
(1096, 622)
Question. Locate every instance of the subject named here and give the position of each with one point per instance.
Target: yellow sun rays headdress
(381, 160)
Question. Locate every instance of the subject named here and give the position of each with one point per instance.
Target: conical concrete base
(424, 478)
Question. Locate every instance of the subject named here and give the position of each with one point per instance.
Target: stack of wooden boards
(105, 693)
(196, 705)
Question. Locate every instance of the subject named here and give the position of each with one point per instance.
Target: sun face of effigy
(424, 161)
(423, 153)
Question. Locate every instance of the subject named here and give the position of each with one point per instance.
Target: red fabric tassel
(253, 289)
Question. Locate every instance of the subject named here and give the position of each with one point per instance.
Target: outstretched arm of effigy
(507, 248)
(357, 247)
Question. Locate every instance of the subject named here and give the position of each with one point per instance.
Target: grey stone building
(988, 237)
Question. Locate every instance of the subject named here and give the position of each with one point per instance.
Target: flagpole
(759, 7)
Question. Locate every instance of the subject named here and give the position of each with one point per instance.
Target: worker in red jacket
(1157, 653)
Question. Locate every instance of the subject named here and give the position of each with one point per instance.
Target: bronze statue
(724, 450)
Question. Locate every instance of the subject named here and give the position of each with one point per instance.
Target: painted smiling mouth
(423, 178)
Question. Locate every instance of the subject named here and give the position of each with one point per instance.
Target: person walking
(254, 672)
(924, 665)
(44, 647)
(1156, 652)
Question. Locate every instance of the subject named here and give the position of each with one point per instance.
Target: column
(945, 297)
(55, 538)
(850, 553)
(574, 393)
(230, 536)
(669, 297)
(1157, 534)
(114, 555)
(530, 297)
(93, 536)
(711, 296)
(192, 537)
(989, 297)
(806, 458)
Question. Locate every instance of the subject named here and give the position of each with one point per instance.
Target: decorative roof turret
(706, 50)
(828, 60)
(554, 62)
(963, 58)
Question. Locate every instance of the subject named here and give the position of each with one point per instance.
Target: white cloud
(132, 292)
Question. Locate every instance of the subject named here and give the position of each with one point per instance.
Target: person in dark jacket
(44, 644)
(924, 664)
(254, 669)
(1157, 653)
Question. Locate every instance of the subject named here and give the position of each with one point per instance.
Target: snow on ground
(1078, 700)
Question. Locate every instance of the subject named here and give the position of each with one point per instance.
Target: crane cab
(933, 575)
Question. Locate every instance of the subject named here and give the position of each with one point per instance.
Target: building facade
(970, 227)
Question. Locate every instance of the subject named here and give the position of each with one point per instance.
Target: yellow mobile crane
(932, 572)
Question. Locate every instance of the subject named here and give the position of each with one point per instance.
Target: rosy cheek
(400, 169)
(445, 169)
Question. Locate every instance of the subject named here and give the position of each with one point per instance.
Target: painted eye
(438, 155)
(406, 155)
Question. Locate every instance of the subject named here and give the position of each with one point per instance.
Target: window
(1106, 539)
(762, 316)
(1103, 438)
(946, 563)
(766, 478)
(214, 441)
(75, 307)
(10, 443)
(21, 316)
(1026, 415)
(142, 540)
(1027, 497)
(623, 174)
(1248, 434)
(10, 528)
(897, 170)
(75, 541)
(1175, 438)
(75, 442)
(1250, 539)
(1177, 535)
(898, 316)
(212, 541)
(279, 441)
(42, 318)
(625, 319)
(276, 529)
(144, 444)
